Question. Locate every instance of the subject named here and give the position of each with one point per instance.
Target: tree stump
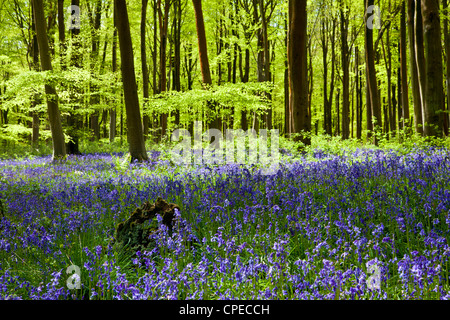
(135, 232)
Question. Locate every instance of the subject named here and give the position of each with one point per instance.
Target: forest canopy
(353, 70)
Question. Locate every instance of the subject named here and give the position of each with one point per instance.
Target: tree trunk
(420, 56)
(399, 98)
(434, 98)
(95, 98)
(447, 67)
(372, 79)
(35, 66)
(345, 55)
(59, 147)
(112, 111)
(134, 124)
(204, 61)
(145, 77)
(338, 112)
(73, 119)
(358, 85)
(418, 120)
(163, 26)
(298, 78)
(62, 33)
(404, 66)
(177, 54)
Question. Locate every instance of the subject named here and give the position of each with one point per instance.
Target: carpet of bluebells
(323, 227)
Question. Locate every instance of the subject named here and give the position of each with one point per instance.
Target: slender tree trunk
(434, 91)
(420, 55)
(145, 77)
(447, 67)
(134, 123)
(156, 87)
(404, 65)
(358, 85)
(369, 123)
(202, 47)
(62, 34)
(287, 128)
(74, 123)
(298, 77)
(390, 128)
(95, 98)
(163, 26)
(399, 99)
(393, 115)
(112, 111)
(418, 120)
(204, 61)
(35, 57)
(372, 80)
(338, 112)
(59, 147)
(324, 42)
(345, 56)
(177, 54)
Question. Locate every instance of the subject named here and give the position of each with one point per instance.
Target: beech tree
(54, 115)
(297, 64)
(434, 99)
(204, 61)
(135, 132)
(373, 97)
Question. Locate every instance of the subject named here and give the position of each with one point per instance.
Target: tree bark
(135, 132)
(112, 111)
(212, 116)
(420, 56)
(371, 75)
(95, 98)
(345, 56)
(73, 119)
(163, 26)
(358, 84)
(59, 147)
(298, 78)
(434, 91)
(145, 77)
(404, 66)
(177, 54)
(418, 121)
(62, 33)
(35, 58)
(447, 68)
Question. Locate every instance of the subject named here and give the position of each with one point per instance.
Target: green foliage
(241, 96)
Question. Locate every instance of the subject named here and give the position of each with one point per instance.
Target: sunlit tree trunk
(145, 77)
(404, 65)
(204, 61)
(345, 57)
(434, 91)
(420, 56)
(112, 111)
(297, 64)
(35, 58)
(163, 18)
(447, 67)
(59, 146)
(371, 74)
(418, 121)
(134, 123)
